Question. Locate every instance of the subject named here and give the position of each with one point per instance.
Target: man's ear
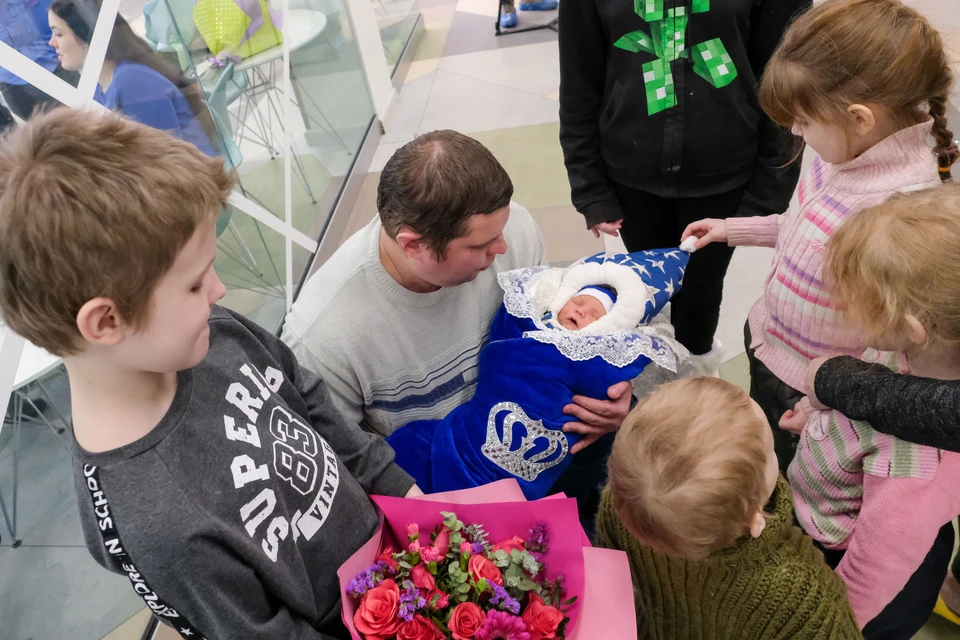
(99, 322)
(916, 332)
(863, 117)
(411, 243)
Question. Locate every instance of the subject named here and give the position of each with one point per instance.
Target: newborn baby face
(580, 312)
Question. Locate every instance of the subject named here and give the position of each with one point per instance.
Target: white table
(35, 364)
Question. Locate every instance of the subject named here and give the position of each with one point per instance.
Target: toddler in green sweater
(696, 502)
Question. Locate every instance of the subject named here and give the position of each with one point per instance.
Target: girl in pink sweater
(864, 83)
(882, 507)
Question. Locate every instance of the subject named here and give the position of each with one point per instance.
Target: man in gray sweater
(394, 322)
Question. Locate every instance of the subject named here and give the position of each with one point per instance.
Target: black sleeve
(920, 410)
(582, 71)
(773, 183)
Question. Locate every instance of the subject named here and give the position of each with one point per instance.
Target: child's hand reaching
(707, 230)
(794, 421)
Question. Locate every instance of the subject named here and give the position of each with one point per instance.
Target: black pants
(584, 480)
(23, 99)
(903, 617)
(652, 222)
(775, 397)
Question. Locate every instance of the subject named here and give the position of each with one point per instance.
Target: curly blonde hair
(901, 258)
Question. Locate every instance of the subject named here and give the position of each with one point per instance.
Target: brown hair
(127, 46)
(435, 183)
(898, 258)
(845, 52)
(687, 471)
(94, 205)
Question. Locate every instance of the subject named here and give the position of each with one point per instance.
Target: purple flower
(367, 579)
(502, 597)
(539, 540)
(502, 626)
(410, 601)
(477, 548)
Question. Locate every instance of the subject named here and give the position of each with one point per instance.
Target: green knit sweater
(774, 586)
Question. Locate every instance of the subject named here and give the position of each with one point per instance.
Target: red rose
(419, 629)
(387, 556)
(376, 617)
(541, 619)
(481, 566)
(510, 545)
(466, 620)
(442, 543)
(422, 578)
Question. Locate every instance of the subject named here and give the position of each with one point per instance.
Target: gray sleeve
(368, 457)
(341, 381)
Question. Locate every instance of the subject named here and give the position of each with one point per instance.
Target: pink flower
(541, 619)
(443, 600)
(482, 567)
(387, 556)
(465, 548)
(466, 620)
(413, 530)
(419, 628)
(376, 617)
(414, 547)
(442, 543)
(429, 554)
(422, 578)
(500, 625)
(510, 545)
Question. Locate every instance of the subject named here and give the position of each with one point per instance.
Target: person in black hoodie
(660, 126)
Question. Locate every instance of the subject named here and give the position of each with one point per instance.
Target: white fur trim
(632, 294)
(689, 245)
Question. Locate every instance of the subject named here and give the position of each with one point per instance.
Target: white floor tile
(383, 153)
(467, 105)
(533, 68)
(412, 101)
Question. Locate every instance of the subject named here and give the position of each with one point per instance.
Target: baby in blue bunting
(560, 332)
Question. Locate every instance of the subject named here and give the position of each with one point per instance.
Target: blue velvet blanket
(529, 371)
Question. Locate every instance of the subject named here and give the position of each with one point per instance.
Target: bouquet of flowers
(433, 572)
(459, 586)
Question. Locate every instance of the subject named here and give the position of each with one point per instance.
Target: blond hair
(687, 471)
(898, 258)
(94, 205)
(874, 52)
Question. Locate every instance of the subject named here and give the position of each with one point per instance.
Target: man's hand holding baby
(596, 418)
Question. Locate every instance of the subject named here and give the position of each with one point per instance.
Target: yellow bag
(223, 25)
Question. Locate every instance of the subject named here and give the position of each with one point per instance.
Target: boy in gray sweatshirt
(211, 469)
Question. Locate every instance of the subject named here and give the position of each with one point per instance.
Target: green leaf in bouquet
(463, 588)
(500, 558)
(530, 564)
(482, 585)
(449, 519)
(514, 571)
(462, 577)
(405, 565)
(440, 625)
(526, 584)
(455, 539)
(567, 603)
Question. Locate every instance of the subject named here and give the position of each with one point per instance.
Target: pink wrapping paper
(605, 607)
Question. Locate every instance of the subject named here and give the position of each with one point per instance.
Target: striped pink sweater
(880, 498)
(794, 321)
